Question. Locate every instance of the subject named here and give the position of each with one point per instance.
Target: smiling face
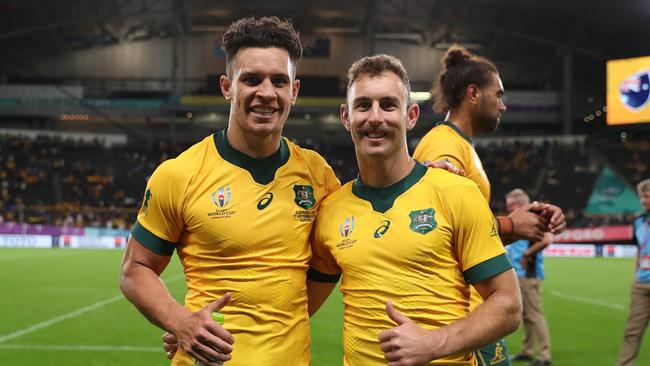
(377, 115)
(261, 90)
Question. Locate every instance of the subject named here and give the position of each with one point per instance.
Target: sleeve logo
(422, 221)
(145, 204)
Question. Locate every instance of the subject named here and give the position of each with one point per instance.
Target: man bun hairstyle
(262, 32)
(460, 69)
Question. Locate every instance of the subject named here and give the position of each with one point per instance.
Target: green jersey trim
(487, 269)
(262, 170)
(151, 241)
(455, 128)
(382, 199)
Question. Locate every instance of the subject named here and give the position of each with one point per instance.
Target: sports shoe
(539, 362)
(521, 357)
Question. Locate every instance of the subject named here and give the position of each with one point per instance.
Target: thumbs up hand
(407, 344)
(201, 337)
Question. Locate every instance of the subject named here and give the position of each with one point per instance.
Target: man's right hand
(527, 224)
(201, 337)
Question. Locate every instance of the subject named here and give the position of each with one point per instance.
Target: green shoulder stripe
(152, 242)
(487, 269)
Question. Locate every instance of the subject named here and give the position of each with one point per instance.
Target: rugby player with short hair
(238, 208)
(407, 241)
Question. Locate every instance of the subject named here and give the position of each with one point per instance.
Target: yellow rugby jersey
(241, 225)
(418, 243)
(446, 141)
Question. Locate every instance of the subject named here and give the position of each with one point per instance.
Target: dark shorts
(494, 354)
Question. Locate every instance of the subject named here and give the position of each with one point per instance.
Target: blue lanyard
(644, 241)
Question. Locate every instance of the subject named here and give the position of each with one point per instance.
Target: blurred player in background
(238, 208)
(527, 258)
(469, 90)
(404, 234)
(637, 321)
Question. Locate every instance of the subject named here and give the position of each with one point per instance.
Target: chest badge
(422, 221)
(304, 196)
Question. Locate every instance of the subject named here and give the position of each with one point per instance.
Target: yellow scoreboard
(628, 90)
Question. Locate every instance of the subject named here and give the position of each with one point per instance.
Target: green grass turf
(42, 284)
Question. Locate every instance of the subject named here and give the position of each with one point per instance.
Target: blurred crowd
(73, 183)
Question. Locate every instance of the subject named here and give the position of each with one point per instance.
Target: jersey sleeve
(322, 266)
(160, 221)
(436, 148)
(476, 238)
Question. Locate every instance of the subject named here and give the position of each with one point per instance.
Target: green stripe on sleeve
(152, 242)
(487, 269)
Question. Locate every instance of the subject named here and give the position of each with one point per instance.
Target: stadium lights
(445, 46)
(420, 96)
(74, 117)
(399, 36)
(336, 30)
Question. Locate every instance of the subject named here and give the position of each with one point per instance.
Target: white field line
(71, 314)
(72, 347)
(588, 300)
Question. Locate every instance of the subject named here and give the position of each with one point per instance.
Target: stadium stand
(68, 182)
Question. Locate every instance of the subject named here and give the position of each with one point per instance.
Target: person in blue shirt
(527, 259)
(637, 321)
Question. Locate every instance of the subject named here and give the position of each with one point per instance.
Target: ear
(473, 93)
(294, 91)
(412, 116)
(226, 86)
(345, 116)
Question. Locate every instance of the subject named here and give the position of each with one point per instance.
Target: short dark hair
(375, 66)
(262, 32)
(460, 69)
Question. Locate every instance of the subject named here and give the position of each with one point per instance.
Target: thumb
(219, 303)
(395, 315)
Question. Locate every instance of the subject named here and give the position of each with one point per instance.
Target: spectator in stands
(526, 257)
(637, 321)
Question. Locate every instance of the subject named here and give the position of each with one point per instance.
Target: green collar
(382, 199)
(262, 170)
(455, 128)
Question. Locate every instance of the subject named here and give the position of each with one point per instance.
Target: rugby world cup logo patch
(221, 197)
(347, 227)
(635, 90)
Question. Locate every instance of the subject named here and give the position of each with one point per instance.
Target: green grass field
(64, 307)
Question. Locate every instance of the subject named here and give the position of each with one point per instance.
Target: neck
(380, 172)
(462, 120)
(256, 146)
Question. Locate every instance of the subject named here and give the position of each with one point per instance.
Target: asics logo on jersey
(265, 201)
(382, 229)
